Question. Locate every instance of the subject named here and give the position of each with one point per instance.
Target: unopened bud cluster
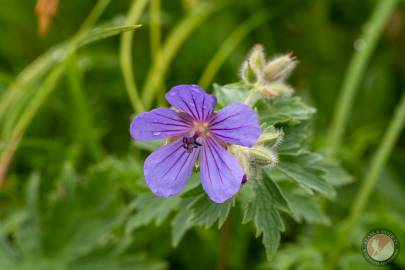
(268, 77)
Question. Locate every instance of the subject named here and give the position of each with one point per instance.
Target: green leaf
(205, 212)
(278, 196)
(99, 33)
(306, 177)
(181, 222)
(150, 208)
(284, 110)
(263, 212)
(230, 93)
(306, 208)
(334, 173)
(199, 210)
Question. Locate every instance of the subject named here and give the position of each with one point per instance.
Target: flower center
(200, 129)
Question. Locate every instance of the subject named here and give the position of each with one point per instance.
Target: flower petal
(236, 124)
(168, 168)
(192, 99)
(221, 174)
(159, 124)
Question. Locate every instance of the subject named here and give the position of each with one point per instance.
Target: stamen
(189, 143)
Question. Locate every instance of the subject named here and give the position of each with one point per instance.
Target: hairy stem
(370, 37)
(126, 56)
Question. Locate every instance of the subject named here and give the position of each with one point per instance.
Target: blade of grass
(378, 162)
(126, 56)
(26, 118)
(155, 33)
(231, 43)
(358, 65)
(176, 38)
(22, 87)
(43, 64)
(43, 92)
(155, 39)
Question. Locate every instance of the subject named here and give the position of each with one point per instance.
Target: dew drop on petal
(156, 133)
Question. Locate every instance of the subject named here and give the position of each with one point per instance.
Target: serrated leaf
(262, 211)
(306, 177)
(306, 208)
(181, 223)
(282, 110)
(294, 140)
(230, 93)
(205, 212)
(150, 208)
(198, 210)
(278, 196)
(333, 173)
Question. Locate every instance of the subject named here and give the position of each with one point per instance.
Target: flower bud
(242, 156)
(248, 74)
(271, 137)
(263, 155)
(276, 89)
(257, 58)
(279, 68)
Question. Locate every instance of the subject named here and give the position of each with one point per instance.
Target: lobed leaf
(284, 110)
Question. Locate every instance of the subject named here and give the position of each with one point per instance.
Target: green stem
(126, 56)
(155, 34)
(155, 39)
(83, 115)
(169, 50)
(231, 43)
(252, 98)
(356, 71)
(379, 160)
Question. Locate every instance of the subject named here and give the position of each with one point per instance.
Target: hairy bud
(279, 68)
(248, 74)
(257, 58)
(277, 88)
(271, 137)
(264, 155)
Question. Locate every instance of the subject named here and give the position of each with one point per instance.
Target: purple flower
(196, 130)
